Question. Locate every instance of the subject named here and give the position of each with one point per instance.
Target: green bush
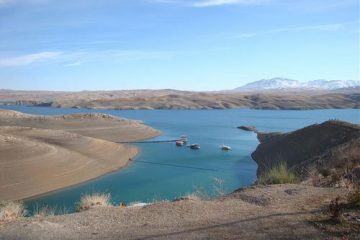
(279, 174)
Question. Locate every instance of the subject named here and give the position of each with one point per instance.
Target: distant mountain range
(284, 83)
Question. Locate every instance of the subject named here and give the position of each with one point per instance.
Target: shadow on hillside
(258, 227)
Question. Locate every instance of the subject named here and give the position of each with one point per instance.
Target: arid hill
(331, 149)
(173, 99)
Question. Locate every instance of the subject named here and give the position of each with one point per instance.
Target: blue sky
(188, 44)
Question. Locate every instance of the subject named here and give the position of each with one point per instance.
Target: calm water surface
(164, 171)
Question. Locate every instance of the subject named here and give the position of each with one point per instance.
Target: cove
(163, 171)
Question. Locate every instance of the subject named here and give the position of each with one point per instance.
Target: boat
(184, 139)
(179, 143)
(225, 147)
(195, 146)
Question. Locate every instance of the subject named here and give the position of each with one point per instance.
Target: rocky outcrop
(331, 149)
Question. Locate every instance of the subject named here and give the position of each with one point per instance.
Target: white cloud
(80, 57)
(325, 27)
(28, 59)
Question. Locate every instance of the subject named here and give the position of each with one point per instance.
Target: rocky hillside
(172, 99)
(330, 149)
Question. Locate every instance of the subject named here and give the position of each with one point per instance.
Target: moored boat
(179, 143)
(195, 146)
(225, 147)
(184, 139)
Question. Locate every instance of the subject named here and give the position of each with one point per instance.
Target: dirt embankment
(331, 149)
(39, 154)
(173, 99)
(262, 212)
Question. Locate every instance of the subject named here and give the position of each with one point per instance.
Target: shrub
(325, 172)
(94, 200)
(192, 196)
(11, 210)
(278, 175)
(354, 198)
(335, 209)
(43, 211)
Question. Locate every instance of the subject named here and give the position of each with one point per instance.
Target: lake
(163, 171)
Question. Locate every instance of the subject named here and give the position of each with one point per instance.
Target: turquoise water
(164, 171)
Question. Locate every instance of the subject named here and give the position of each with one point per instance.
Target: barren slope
(35, 161)
(173, 99)
(273, 212)
(330, 146)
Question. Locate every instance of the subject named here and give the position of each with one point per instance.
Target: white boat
(225, 147)
(184, 138)
(195, 146)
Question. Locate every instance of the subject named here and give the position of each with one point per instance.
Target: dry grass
(43, 211)
(11, 210)
(192, 196)
(94, 200)
(279, 174)
(218, 185)
(354, 198)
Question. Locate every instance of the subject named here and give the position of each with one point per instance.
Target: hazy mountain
(284, 83)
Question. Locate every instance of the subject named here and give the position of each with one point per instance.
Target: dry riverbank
(36, 157)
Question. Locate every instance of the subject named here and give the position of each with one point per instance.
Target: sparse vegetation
(94, 200)
(191, 196)
(335, 209)
(325, 172)
(11, 210)
(278, 174)
(354, 198)
(43, 211)
(219, 186)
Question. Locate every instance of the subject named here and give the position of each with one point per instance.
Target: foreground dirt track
(273, 212)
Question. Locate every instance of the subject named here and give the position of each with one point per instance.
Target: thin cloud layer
(80, 57)
(28, 59)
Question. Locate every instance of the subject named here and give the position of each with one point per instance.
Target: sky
(180, 44)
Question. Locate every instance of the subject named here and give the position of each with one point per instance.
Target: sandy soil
(270, 212)
(35, 161)
(36, 158)
(95, 125)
